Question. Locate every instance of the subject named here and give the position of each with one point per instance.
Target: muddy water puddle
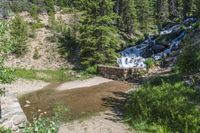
(81, 101)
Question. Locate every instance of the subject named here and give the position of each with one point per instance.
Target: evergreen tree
(187, 6)
(196, 8)
(161, 12)
(173, 11)
(128, 17)
(19, 35)
(99, 39)
(179, 8)
(144, 14)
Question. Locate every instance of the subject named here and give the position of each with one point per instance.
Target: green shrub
(57, 25)
(19, 5)
(49, 5)
(173, 107)
(91, 70)
(59, 111)
(36, 54)
(19, 35)
(34, 11)
(6, 75)
(5, 7)
(67, 10)
(41, 125)
(34, 27)
(189, 59)
(150, 63)
(66, 3)
(5, 130)
(5, 48)
(37, 25)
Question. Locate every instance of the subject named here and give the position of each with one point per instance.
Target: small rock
(28, 102)
(2, 120)
(19, 119)
(72, 73)
(41, 114)
(189, 82)
(158, 48)
(26, 105)
(14, 128)
(7, 124)
(22, 125)
(197, 87)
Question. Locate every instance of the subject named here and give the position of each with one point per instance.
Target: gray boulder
(158, 48)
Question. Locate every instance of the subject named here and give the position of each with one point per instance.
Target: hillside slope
(42, 53)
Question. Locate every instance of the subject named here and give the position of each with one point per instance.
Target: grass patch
(60, 75)
(164, 105)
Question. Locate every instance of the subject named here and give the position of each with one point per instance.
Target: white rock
(26, 105)
(19, 119)
(28, 102)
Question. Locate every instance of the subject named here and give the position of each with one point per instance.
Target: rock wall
(12, 114)
(117, 73)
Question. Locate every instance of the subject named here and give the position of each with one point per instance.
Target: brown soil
(81, 101)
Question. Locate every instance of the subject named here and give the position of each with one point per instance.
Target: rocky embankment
(12, 114)
(41, 52)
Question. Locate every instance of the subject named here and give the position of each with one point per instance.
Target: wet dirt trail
(81, 101)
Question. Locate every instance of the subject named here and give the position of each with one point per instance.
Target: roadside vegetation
(5, 74)
(5, 130)
(150, 63)
(47, 124)
(189, 62)
(168, 107)
(61, 75)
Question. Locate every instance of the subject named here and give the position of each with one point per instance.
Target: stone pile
(117, 73)
(12, 114)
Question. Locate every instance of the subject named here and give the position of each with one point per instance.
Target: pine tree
(179, 8)
(128, 17)
(19, 35)
(99, 39)
(187, 6)
(196, 8)
(197, 13)
(144, 14)
(173, 10)
(161, 12)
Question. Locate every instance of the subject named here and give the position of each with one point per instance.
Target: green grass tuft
(60, 75)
